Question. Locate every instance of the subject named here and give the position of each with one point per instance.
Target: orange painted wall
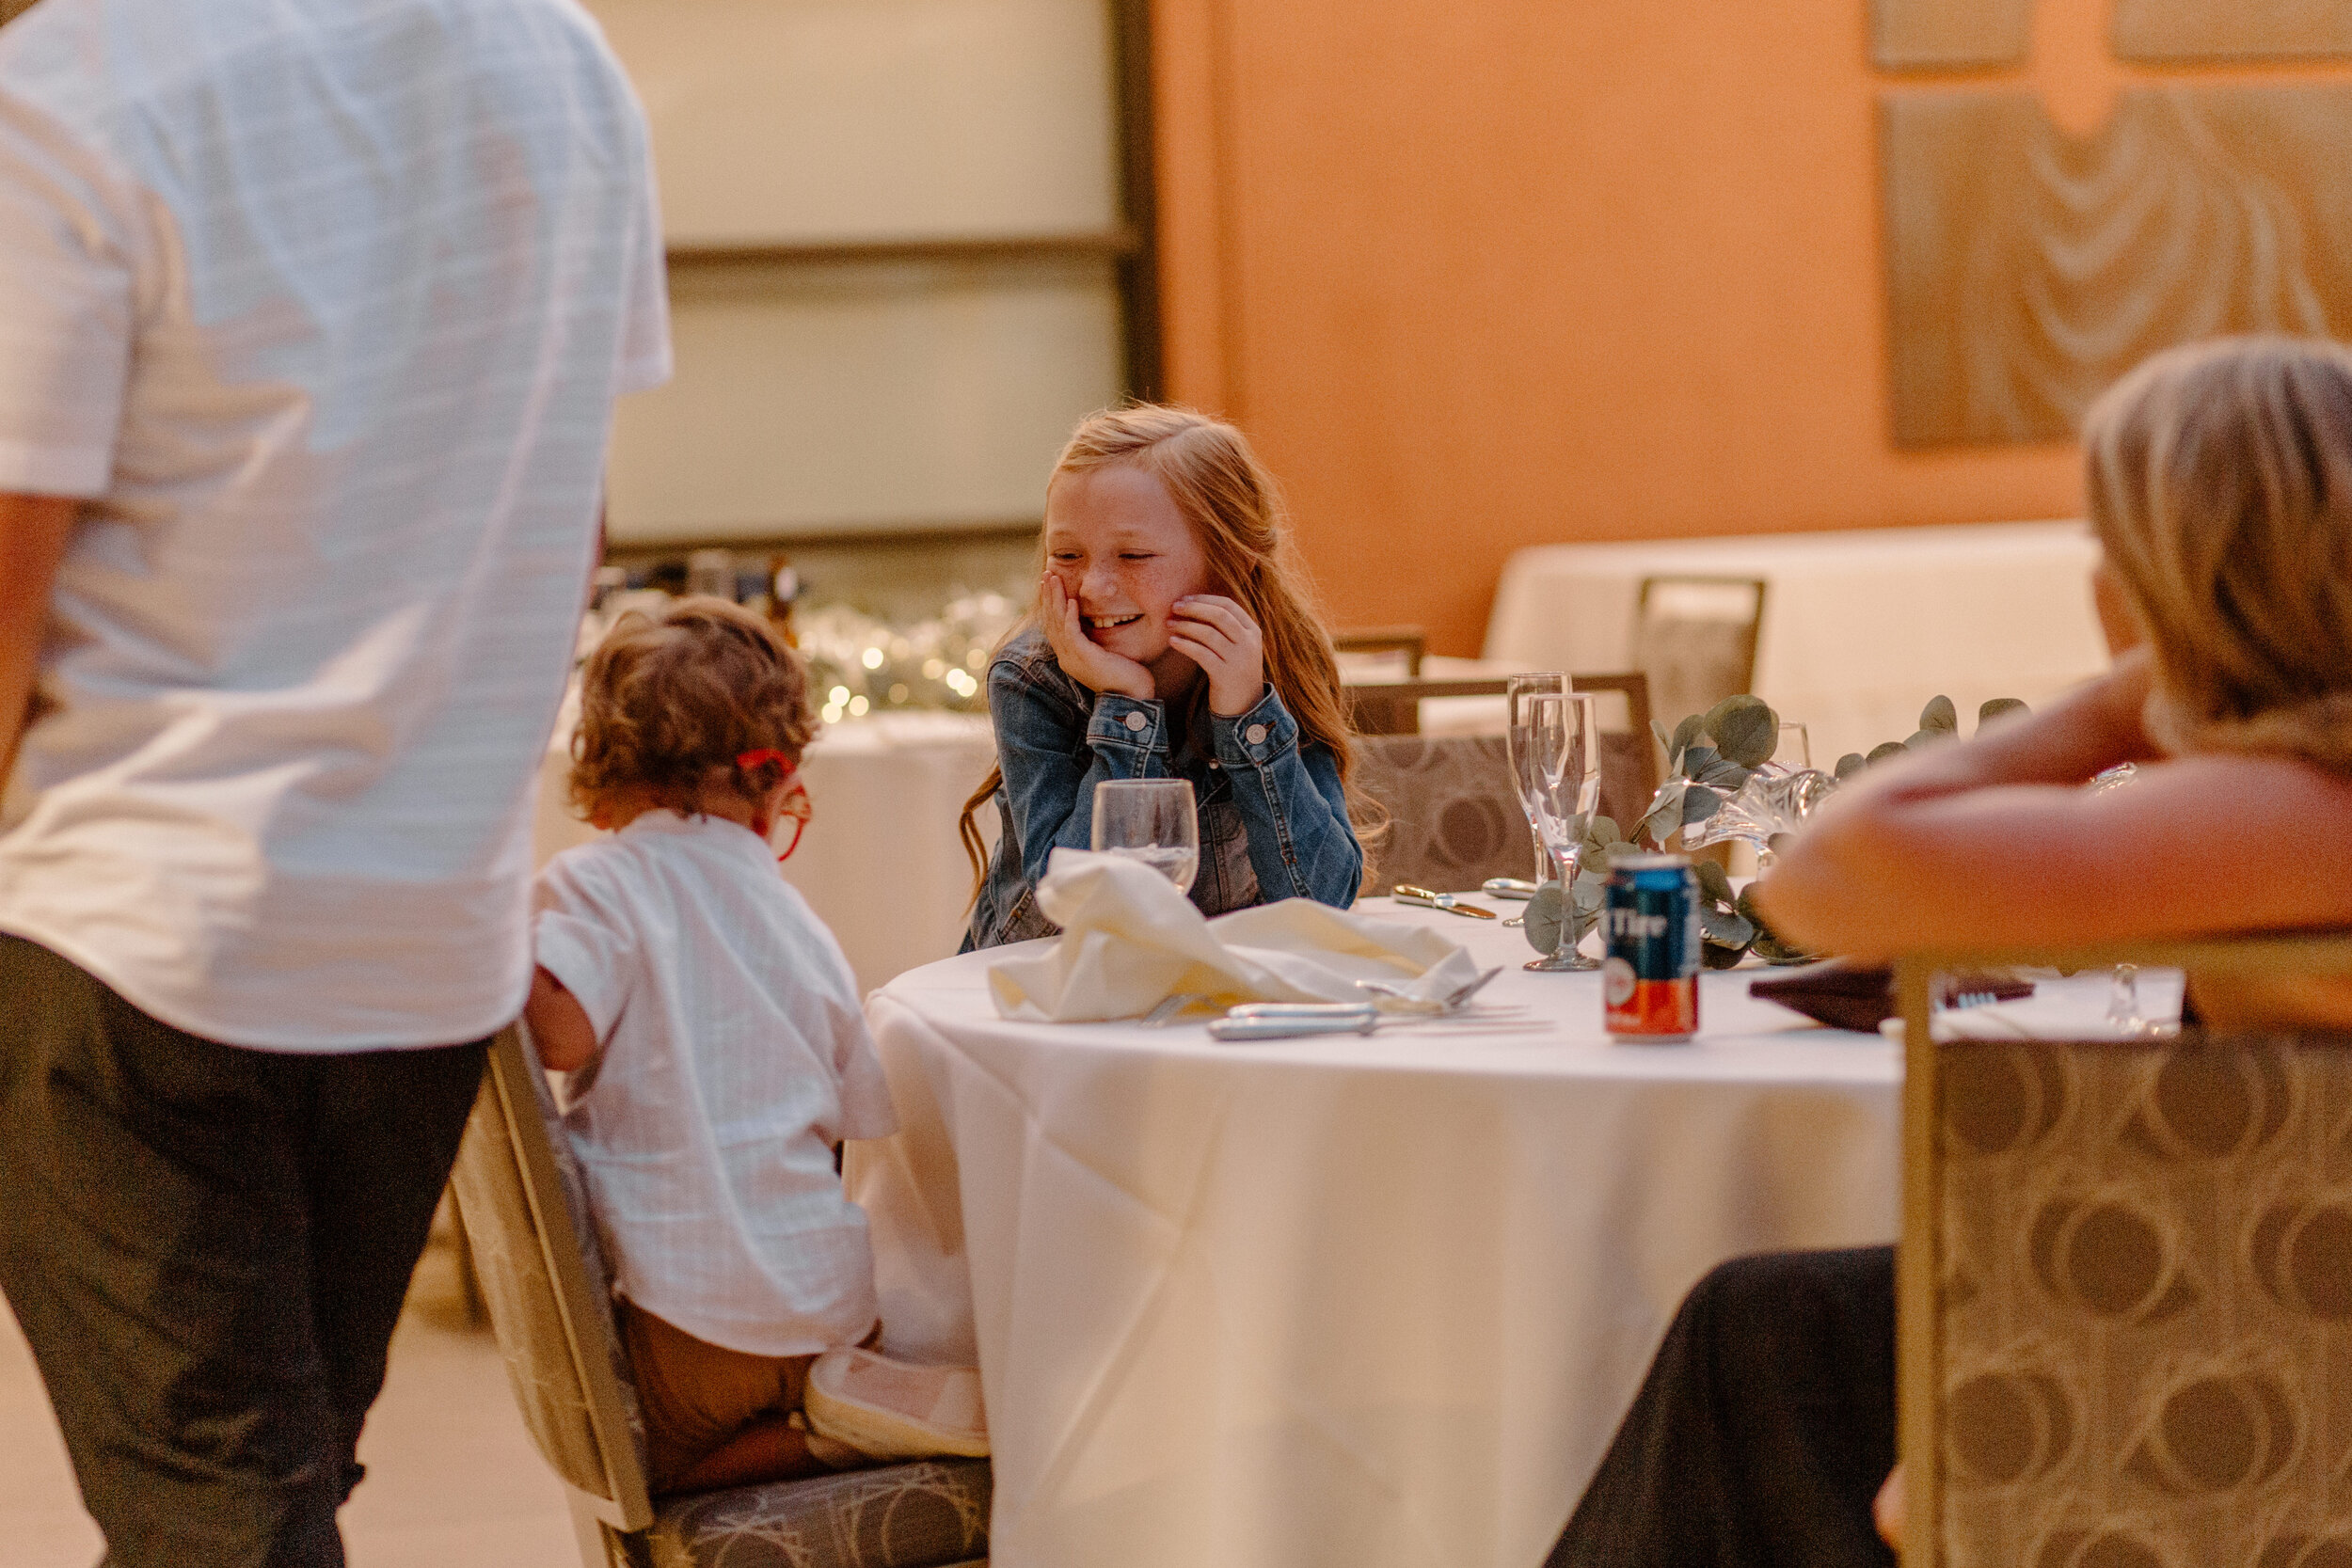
(1497, 273)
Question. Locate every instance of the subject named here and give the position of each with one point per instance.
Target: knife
(1405, 892)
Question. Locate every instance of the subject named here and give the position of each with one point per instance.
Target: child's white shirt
(735, 1056)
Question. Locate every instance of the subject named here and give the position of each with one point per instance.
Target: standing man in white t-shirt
(311, 317)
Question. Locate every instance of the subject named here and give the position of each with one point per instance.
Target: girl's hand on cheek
(1218, 635)
(1095, 668)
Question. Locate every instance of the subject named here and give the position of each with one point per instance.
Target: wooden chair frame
(1756, 621)
(626, 1506)
(1918, 1258)
(1412, 642)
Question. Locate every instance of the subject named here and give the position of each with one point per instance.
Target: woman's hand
(1887, 1512)
(1218, 635)
(1082, 659)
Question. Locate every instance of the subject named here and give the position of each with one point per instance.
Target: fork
(1453, 1002)
(1158, 1017)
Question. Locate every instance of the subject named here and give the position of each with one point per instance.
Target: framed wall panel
(794, 122)
(864, 397)
(910, 245)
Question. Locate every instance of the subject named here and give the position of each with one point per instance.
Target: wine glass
(1563, 741)
(2124, 985)
(1516, 693)
(1152, 820)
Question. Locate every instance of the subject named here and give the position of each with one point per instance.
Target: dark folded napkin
(1848, 996)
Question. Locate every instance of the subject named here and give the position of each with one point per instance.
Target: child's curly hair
(668, 704)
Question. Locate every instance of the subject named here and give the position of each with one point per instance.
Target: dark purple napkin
(1848, 996)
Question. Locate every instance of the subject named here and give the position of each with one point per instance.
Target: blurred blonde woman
(2220, 488)
(1174, 637)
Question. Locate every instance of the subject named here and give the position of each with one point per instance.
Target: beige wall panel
(1948, 34)
(870, 398)
(2209, 30)
(804, 121)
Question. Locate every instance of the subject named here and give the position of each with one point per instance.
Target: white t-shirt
(735, 1056)
(323, 306)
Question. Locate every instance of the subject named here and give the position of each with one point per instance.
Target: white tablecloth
(1338, 1301)
(880, 861)
(1860, 628)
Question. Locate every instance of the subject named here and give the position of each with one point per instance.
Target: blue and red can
(1650, 919)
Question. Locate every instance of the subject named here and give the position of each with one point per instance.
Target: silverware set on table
(1515, 888)
(1386, 1006)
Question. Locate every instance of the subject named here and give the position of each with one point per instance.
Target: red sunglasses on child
(795, 806)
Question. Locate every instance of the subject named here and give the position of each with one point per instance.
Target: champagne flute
(2124, 985)
(1563, 739)
(1517, 691)
(1152, 820)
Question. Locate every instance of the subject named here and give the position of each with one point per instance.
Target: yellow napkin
(1129, 941)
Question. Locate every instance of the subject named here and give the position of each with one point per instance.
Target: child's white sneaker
(896, 1409)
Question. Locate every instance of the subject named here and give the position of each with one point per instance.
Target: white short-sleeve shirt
(321, 306)
(734, 1057)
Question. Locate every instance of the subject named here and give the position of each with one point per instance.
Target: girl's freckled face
(1124, 553)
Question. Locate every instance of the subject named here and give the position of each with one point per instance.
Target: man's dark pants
(1764, 1429)
(207, 1247)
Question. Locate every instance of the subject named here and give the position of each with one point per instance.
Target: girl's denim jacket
(1272, 819)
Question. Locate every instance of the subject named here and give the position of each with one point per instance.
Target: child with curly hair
(717, 1059)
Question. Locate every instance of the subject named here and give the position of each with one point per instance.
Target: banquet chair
(1411, 641)
(1630, 756)
(1394, 707)
(2126, 1284)
(543, 1278)
(1454, 816)
(1694, 637)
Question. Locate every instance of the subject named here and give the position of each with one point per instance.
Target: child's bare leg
(767, 1449)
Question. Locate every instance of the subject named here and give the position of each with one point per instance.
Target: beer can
(1650, 919)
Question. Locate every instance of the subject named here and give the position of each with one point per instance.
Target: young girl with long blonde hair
(1173, 637)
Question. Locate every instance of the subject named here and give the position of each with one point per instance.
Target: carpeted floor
(453, 1481)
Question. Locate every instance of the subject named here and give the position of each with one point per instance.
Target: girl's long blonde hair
(2220, 479)
(1236, 513)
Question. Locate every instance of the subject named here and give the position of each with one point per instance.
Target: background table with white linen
(879, 863)
(1361, 1300)
(1860, 628)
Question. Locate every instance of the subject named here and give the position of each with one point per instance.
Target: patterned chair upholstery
(1454, 818)
(543, 1279)
(2126, 1287)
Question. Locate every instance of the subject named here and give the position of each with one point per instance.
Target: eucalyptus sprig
(1709, 757)
(1603, 840)
(1729, 924)
(1939, 722)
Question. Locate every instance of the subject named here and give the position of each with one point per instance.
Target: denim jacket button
(1137, 720)
(1255, 733)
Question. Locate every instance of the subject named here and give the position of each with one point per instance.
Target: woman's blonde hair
(2220, 479)
(669, 703)
(1235, 510)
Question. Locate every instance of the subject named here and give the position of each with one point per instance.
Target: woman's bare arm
(1994, 841)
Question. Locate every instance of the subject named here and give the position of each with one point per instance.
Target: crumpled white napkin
(1130, 941)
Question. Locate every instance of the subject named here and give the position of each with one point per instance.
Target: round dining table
(1367, 1300)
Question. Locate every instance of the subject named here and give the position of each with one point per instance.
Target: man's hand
(34, 531)
(1887, 1512)
(1218, 635)
(1093, 667)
